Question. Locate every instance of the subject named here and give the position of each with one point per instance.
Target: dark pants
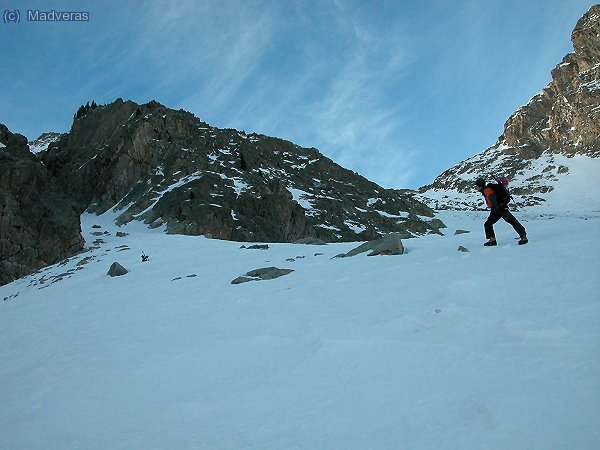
(505, 214)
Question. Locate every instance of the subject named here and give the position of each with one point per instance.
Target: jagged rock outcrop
(38, 222)
(168, 168)
(562, 121)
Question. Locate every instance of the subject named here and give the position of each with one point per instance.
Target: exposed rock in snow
(117, 270)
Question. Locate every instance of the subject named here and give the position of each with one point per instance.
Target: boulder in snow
(256, 247)
(116, 270)
(390, 244)
(266, 273)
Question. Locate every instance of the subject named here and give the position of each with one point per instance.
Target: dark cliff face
(167, 167)
(39, 224)
(563, 119)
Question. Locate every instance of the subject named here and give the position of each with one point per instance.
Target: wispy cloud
(318, 73)
(357, 118)
(329, 88)
(224, 55)
(193, 52)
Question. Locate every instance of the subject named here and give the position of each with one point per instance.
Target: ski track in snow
(496, 348)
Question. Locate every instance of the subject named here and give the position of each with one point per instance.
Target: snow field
(496, 348)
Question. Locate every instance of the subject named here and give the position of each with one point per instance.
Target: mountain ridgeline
(168, 168)
(560, 122)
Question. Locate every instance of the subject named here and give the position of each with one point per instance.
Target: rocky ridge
(560, 122)
(169, 169)
(39, 224)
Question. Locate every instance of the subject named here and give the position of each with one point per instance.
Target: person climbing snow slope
(498, 210)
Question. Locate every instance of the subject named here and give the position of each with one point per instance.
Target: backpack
(500, 188)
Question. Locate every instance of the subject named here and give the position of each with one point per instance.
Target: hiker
(499, 210)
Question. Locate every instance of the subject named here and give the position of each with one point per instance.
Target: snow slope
(572, 182)
(575, 190)
(498, 348)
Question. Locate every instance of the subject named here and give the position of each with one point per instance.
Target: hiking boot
(523, 240)
(490, 243)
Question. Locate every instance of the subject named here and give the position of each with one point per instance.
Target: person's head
(480, 183)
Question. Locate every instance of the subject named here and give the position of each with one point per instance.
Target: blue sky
(395, 90)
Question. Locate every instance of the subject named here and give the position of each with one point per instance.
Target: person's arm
(494, 206)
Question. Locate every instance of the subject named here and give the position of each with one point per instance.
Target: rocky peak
(560, 122)
(585, 38)
(167, 167)
(564, 118)
(42, 143)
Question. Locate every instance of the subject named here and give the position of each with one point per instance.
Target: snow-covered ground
(498, 348)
